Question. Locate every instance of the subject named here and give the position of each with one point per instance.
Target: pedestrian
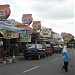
(65, 58)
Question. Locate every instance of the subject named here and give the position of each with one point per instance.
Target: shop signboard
(46, 32)
(36, 25)
(11, 34)
(56, 36)
(27, 19)
(4, 11)
(25, 37)
(3, 32)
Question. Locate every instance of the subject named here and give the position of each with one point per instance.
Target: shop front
(1, 45)
(11, 42)
(8, 41)
(9, 33)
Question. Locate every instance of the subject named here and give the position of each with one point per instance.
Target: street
(46, 66)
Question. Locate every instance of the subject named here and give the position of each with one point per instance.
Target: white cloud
(56, 9)
(58, 14)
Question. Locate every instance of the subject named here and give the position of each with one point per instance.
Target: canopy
(9, 27)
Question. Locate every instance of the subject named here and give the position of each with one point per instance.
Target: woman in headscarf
(65, 58)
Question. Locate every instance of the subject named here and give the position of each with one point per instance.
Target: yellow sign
(12, 35)
(26, 38)
(3, 32)
(9, 34)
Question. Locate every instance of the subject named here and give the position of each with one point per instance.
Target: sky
(55, 14)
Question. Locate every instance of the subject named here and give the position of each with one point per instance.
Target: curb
(8, 61)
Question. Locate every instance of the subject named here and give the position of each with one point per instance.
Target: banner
(36, 25)
(27, 19)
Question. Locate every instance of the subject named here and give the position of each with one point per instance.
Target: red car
(48, 49)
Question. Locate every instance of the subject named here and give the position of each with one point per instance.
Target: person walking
(65, 59)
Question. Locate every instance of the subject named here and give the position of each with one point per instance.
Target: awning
(11, 28)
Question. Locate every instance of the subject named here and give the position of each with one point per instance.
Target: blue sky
(55, 14)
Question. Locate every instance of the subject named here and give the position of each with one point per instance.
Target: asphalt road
(46, 66)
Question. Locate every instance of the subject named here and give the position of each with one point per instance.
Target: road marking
(30, 69)
(55, 59)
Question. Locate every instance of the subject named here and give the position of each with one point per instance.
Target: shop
(25, 36)
(1, 45)
(9, 33)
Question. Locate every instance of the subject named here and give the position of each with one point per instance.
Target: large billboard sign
(4, 11)
(36, 25)
(27, 19)
(46, 32)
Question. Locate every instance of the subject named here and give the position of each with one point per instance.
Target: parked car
(48, 49)
(57, 49)
(61, 47)
(34, 51)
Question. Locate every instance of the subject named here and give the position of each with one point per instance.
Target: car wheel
(44, 55)
(60, 51)
(39, 57)
(26, 58)
(51, 54)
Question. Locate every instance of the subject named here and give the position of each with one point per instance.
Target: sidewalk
(11, 59)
